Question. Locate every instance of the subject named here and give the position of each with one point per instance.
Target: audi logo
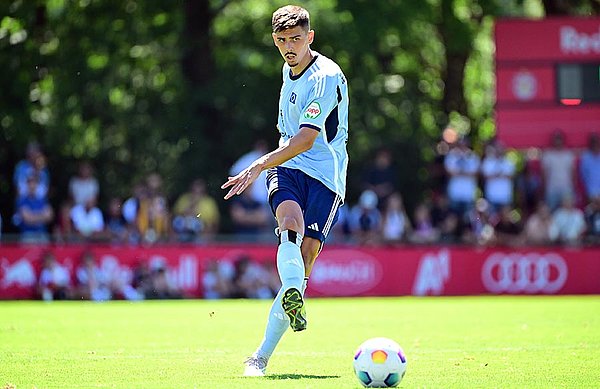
(524, 273)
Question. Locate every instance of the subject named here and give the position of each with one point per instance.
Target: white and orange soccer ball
(379, 363)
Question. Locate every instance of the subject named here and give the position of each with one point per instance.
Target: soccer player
(306, 174)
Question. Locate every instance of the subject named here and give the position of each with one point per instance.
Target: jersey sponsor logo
(524, 273)
(293, 98)
(313, 111)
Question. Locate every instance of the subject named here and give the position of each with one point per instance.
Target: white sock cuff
(290, 236)
(304, 284)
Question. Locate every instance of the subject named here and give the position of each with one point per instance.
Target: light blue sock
(277, 324)
(289, 260)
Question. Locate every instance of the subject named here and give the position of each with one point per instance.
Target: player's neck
(302, 65)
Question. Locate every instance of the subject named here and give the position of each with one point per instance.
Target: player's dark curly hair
(290, 16)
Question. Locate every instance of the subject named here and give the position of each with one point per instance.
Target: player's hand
(240, 182)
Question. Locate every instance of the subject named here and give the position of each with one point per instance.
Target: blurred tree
(185, 87)
(98, 80)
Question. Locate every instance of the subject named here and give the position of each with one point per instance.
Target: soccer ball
(379, 363)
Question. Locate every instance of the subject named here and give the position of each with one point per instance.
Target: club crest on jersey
(313, 111)
(293, 98)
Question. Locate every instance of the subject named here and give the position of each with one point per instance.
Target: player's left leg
(320, 215)
(311, 248)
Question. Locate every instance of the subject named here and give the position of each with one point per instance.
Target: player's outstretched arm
(294, 146)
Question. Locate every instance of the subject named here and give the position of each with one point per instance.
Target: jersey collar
(294, 78)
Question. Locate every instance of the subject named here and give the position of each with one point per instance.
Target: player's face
(293, 44)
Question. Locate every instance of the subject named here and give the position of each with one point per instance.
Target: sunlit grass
(484, 342)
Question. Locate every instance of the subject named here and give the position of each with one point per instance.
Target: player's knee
(289, 223)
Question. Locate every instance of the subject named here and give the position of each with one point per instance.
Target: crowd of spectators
(145, 217)
(494, 197)
(93, 281)
(484, 200)
(242, 278)
(90, 279)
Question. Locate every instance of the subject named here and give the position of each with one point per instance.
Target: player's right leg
(286, 196)
(290, 266)
(290, 263)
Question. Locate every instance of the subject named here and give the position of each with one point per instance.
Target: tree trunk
(556, 7)
(197, 63)
(457, 39)
(454, 91)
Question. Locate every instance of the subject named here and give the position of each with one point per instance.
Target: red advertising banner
(532, 127)
(339, 271)
(553, 38)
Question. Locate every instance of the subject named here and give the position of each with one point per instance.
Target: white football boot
(255, 366)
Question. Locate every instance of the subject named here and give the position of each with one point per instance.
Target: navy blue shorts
(319, 204)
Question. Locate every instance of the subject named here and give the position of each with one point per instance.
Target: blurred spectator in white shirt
(83, 186)
(590, 168)
(462, 166)
(88, 220)
(498, 172)
(55, 281)
(568, 223)
(92, 282)
(558, 166)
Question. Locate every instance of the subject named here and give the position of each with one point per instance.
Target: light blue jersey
(317, 98)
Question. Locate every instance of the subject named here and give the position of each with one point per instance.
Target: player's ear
(311, 36)
(274, 38)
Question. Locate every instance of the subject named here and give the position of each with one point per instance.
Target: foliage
(184, 87)
(95, 80)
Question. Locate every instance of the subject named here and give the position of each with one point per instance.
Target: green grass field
(455, 342)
